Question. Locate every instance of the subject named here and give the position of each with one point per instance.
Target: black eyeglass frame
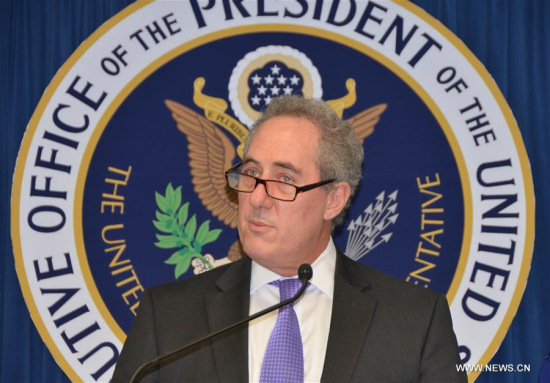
(299, 189)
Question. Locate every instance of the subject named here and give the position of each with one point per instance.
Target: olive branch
(179, 232)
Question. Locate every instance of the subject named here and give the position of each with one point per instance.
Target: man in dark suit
(301, 166)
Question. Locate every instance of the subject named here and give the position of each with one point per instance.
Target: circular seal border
(489, 82)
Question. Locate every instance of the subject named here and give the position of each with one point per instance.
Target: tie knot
(288, 287)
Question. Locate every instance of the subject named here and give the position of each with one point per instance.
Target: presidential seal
(120, 186)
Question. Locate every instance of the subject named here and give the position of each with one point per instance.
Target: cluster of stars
(273, 85)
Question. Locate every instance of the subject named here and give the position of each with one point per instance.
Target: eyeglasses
(282, 191)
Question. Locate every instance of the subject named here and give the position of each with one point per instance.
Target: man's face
(282, 235)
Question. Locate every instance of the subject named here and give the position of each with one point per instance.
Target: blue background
(509, 37)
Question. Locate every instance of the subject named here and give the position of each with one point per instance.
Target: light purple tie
(284, 356)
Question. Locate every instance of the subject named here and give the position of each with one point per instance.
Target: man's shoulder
(202, 284)
(391, 290)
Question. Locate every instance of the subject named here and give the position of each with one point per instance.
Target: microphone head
(305, 272)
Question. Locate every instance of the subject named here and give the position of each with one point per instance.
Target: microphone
(305, 273)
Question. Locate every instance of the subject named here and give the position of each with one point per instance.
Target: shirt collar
(323, 272)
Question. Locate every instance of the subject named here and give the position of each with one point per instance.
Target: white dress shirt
(313, 309)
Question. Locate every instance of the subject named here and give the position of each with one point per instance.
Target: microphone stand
(304, 272)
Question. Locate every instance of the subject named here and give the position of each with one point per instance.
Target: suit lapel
(352, 312)
(224, 308)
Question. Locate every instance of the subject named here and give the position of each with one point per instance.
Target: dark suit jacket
(382, 329)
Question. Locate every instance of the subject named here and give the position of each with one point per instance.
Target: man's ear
(337, 199)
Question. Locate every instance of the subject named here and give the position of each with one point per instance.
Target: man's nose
(259, 196)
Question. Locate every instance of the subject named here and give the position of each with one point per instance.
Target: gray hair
(340, 153)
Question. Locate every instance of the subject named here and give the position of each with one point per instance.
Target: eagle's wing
(364, 122)
(210, 154)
